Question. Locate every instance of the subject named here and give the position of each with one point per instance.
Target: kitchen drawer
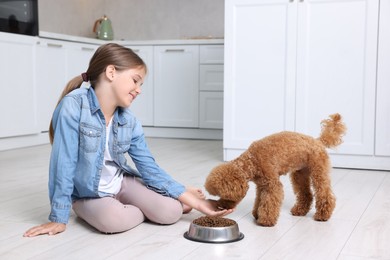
(211, 110)
(211, 54)
(211, 77)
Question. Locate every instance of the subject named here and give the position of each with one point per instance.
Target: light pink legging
(132, 205)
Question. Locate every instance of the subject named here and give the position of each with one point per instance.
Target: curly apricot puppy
(265, 160)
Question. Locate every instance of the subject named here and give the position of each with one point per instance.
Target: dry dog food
(208, 221)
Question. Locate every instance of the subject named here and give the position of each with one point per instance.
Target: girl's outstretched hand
(206, 206)
(209, 207)
(51, 228)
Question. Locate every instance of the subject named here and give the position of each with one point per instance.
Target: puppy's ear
(227, 182)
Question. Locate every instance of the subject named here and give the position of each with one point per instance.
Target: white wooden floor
(359, 228)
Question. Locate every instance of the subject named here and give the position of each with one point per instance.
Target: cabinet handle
(54, 45)
(291, 1)
(174, 50)
(86, 49)
(135, 50)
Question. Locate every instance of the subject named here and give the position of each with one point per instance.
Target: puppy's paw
(299, 211)
(321, 217)
(266, 222)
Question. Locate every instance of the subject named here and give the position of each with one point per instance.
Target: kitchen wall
(135, 19)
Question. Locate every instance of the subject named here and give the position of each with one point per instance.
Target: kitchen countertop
(71, 38)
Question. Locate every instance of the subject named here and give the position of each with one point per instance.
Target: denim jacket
(78, 151)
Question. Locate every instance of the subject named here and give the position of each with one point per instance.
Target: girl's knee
(168, 214)
(108, 215)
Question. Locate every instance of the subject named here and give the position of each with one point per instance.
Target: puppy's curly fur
(265, 160)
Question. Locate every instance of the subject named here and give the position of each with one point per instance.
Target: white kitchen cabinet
(382, 141)
(289, 64)
(336, 69)
(211, 109)
(211, 54)
(211, 96)
(78, 57)
(260, 38)
(57, 63)
(18, 105)
(51, 78)
(176, 86)
(185, 103)
(143, 106)
(211, 87)
(211, 77)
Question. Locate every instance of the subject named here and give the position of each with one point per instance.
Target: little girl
(91, 130)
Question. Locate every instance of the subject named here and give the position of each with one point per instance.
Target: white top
(111, 176)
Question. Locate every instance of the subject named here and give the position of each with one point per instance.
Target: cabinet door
(176, 86)
(51, 79)
(259, 81)
(336, 72)
(18, 91)
(57, 63)
(142, 107)
(78, 57)
(382, 140)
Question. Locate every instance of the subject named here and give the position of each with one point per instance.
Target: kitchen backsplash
(135, 19)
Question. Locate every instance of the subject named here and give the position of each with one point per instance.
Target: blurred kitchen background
(135, 19)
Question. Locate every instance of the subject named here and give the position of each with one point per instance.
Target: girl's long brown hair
(108, 54)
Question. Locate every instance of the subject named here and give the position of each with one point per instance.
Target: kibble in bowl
(207, 221)
(213, 230)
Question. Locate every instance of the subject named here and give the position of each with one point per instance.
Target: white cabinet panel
(260, 38)
(382, 141)
(18, 90)
(176, 86)
(78, 57)
(143, 106)
(211, 54)
(211, 110)
(336, 69)
(211, 77)
(211, 87)
(51, 79)
(57, 63)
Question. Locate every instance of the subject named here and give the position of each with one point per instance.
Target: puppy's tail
(332, 131)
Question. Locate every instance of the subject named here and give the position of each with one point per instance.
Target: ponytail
(72, 85)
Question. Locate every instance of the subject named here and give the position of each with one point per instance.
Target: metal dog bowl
(206, 234)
